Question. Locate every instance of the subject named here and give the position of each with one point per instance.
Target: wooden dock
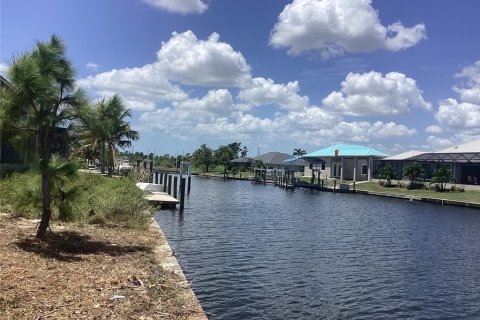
(157, 197)
(161, 198)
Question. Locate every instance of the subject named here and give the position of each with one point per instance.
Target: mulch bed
(86, 272)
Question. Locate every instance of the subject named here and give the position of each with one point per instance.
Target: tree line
(204, 156)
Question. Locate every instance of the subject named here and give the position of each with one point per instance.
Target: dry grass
(77, 270)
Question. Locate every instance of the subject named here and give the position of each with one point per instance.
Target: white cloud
(353, 132)
(147, 84)
(374, 94)
(433, 129)
(337, 26)
(470, 90)
(311, 118)
(263, 91)
(92, 66)
(184, 116)
(3, 69)
(458, 115)
(438, 143)
(179, 6)
(209, 62)
(183, 59)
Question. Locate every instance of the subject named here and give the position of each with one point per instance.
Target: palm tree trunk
(45, 144)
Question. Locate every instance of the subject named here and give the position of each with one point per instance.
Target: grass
(466, 196)
(91, 198)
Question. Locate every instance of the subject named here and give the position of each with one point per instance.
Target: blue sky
(272, 74)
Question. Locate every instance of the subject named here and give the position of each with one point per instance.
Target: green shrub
(90, 199)
(401, 184)
(457, 188)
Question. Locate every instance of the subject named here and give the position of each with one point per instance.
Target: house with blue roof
(343, 161)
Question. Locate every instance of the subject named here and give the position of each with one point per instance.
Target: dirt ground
(87, 272)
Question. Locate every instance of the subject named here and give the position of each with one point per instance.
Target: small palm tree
(388, 173)
(299, 152)
(42, 97)
(103, 127)
(442, 176)
(413, 172)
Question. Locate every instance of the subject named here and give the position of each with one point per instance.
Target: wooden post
(164, 182)
(175, 186)
(169, 184)
(353, 185)
(322, 185)
(182, 193)
(189, 183)
(312, 180)
(334, 185)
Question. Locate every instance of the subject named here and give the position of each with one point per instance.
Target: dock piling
(175, 186)
(182, 193)
(169, 184)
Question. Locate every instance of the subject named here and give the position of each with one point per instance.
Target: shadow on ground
(68, 246)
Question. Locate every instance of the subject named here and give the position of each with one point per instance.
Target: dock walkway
(154, 195)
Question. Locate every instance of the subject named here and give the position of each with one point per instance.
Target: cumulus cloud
(209, 62)
(440, 143)
(179, 6)
(458, 115)
(459, 118)
(433, 129)
(92, 66)
(469, 91)
(263, 91)
(183, 59)
(3, 69)
(373, 93)
(337, 26)
(187, 114)
(147, 83)
(353, 132)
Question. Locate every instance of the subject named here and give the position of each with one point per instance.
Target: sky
(275, 75)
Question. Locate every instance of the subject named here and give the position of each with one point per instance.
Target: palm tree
(299, 152)
(103, 127)
(442, 176)
(388, 173)
(42, 96)
(413, 172)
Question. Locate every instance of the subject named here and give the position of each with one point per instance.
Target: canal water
(261, 252)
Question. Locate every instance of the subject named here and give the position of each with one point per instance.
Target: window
(334, 170)
(323, 165)
(364, 169)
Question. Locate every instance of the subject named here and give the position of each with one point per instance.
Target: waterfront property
(343, 161)
(463, 161)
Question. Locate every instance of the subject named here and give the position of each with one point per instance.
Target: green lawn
(467, 196)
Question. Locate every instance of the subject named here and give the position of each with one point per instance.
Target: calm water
(261, 252)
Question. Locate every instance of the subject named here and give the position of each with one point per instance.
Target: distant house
(273, 160)
(463, 161)
(344, 162)
(398, 162)
(245, 162)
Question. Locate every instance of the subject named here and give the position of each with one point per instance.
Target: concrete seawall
(169, 263)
